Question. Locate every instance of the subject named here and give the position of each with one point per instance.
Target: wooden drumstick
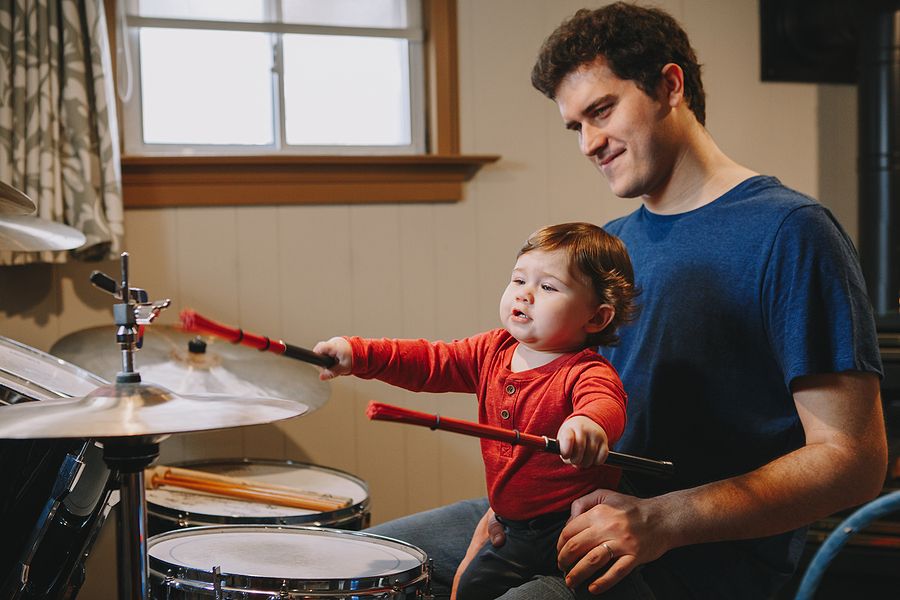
(224, 485)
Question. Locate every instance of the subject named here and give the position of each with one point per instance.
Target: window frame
(436, 176)
(133, 110)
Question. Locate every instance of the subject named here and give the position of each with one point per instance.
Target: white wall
(434, 271)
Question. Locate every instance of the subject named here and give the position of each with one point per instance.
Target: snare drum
(249, 561)
(170, 508)
(55, 494)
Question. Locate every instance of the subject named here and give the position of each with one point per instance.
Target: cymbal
(24, 233)
(215, 365)
(138, 409)
(14, 202)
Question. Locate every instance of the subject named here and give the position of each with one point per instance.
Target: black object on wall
(879, 158)
(809, 41)
(853, 41)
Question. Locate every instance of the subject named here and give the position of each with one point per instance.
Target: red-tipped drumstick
(387, 412)
(191, 321)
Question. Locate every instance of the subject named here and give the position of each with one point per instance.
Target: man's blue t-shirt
(738, 298)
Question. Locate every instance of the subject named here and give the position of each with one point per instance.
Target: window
(229, 77)
(270, 177)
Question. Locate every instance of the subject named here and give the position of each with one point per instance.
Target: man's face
(623, 131)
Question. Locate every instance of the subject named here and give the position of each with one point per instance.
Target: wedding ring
(608, 549)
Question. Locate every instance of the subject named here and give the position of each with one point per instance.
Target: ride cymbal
(190, 364)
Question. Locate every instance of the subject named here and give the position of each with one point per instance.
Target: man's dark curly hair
(636, 42)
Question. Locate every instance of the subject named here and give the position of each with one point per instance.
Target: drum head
(296, 559)
(193, 508)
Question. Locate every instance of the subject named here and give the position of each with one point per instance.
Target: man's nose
(593, 139)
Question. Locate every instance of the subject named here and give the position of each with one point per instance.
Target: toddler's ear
(602, 317)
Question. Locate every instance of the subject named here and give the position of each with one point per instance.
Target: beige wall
(433, 271)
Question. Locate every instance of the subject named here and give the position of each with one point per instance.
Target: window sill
(158, 182)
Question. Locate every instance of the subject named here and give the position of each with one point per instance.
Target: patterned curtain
(59, 141)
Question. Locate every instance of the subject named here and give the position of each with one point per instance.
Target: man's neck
(701, 174)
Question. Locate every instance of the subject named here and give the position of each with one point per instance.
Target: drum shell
(34, 469)
(162, 518)
(170, 581)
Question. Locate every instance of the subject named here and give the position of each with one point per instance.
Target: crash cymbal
(14, 202)
(189, 364)
(138, 409)
(32, 234)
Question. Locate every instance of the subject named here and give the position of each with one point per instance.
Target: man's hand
(488, 527)
(582, 443)
(608, 531)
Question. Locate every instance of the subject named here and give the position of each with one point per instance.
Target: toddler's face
(544, 306)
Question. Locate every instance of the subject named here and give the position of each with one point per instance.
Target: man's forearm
(843, 464)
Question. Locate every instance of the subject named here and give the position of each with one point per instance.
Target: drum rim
(189, 578)
(28, 388)
(200, 519)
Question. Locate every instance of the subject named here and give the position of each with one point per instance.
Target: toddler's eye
(547, 287)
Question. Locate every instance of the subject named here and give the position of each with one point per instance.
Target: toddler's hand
(582, 443)
(339, 349)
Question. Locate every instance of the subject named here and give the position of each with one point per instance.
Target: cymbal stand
(129, 456)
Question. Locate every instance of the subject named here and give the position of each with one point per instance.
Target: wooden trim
(156, 182)
(443, 75)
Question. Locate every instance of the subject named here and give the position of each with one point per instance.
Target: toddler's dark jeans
(530, 550)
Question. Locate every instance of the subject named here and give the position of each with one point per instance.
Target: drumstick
(249, 494)
(386, 412)
(191, 321)
(223, 484)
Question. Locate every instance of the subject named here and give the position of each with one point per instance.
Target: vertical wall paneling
(418, 282)
(208, 279)
(378, 304)
(315, 270)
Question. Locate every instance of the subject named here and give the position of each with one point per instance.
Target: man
(753, 366)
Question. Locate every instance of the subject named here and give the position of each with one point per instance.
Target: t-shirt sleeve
(420, 365)
(819, 316)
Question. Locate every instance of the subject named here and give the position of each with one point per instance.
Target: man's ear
(672, 83)
(602, 317)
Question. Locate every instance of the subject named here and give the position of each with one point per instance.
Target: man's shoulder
(768, 193)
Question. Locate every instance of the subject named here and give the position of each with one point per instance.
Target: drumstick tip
(374, 410)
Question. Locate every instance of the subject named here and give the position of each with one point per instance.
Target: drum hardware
(133, 418)
(14, 202)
